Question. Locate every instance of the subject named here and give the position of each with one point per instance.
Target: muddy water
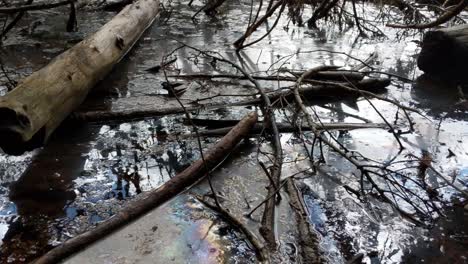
(89, 171)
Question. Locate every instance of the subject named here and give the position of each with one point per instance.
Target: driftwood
(444, 53)
(157, 197)
(36, 107)
(328, 89)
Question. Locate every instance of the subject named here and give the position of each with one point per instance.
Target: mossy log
(444, 54)
(36, 107)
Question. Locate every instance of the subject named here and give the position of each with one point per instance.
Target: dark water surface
(89, 171)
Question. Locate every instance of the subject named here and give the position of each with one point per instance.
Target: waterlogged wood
(321, 75)
(287, 128)
(36, 107)
(308, 238)
(157, 197)
(135, 108)
(444, 53)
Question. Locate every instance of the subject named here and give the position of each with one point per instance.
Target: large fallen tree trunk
(157, 197)
(444, 53)
(36, 107)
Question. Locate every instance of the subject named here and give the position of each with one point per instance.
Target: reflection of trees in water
(138, 156)
(26, 238)
(42, 194)
(129, 174)
(30, 233)
(439, 96)
(442, 98)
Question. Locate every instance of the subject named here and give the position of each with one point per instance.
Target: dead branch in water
(322, 75)
(445, 17)
(262, 252)
(12, 24)
(239, 43)
(321, 11)
(308, 238)
(268, 220)
(155, 198)
(394, 190)
(24, 8)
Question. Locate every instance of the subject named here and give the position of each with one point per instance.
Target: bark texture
(36, 107)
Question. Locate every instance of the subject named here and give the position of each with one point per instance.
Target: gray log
(36, 107)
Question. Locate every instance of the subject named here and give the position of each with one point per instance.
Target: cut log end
(12, 127)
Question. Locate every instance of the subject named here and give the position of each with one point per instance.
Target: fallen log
(155, 198)
(287, 128)
(322, 75)
(23, 8)
(321, 92)
(284, 127)
(36, 107)
(444, 53)
(338, 90)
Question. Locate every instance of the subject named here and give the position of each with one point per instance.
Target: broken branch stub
(36, 107)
